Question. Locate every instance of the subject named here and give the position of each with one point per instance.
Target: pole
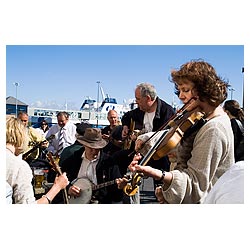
(89, 106)
(232, 93)
(242, 71)
(98, 85)
(231, 90)
(16, 84)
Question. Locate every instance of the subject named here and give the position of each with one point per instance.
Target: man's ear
(149, 98)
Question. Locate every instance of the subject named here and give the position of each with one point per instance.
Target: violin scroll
(131, 136)
(133, 184)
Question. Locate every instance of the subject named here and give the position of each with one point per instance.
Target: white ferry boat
(89, 112)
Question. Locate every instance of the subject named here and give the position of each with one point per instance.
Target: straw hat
(92, 138)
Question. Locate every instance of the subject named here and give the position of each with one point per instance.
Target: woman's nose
(181, 96)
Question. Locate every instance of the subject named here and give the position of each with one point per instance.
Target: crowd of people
(187, 152)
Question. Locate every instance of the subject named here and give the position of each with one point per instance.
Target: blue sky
(50, 76)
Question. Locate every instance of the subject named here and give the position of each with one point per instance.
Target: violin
(176, 133)
(167, 141)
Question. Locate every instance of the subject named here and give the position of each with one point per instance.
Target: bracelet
(49, 201)
(163, 174)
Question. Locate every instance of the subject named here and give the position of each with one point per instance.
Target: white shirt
(9, 193)
(42, 132)
(69, 133)
(19, 176)
(88, 168)
(148, 121)
(229, 188)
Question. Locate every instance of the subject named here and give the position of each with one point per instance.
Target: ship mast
(98, 88)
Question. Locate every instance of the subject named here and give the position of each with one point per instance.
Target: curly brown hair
(210, 87)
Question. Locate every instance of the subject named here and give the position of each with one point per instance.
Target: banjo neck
(102, 185)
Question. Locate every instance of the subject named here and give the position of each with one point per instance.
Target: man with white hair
(150, 115)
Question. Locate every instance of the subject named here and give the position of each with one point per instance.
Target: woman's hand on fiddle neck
(135, 167)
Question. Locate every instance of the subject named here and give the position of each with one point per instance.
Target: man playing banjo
(92, 172)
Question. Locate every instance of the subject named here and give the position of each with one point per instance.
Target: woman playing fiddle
(205, 151)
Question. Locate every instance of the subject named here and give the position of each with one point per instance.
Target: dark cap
(81, 127)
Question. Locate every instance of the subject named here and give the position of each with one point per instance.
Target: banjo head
(85, 194)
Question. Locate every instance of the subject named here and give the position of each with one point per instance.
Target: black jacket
(163, 113)
(238, 140)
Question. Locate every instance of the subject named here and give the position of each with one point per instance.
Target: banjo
(86, 189)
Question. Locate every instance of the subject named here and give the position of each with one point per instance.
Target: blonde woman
(18, 172)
